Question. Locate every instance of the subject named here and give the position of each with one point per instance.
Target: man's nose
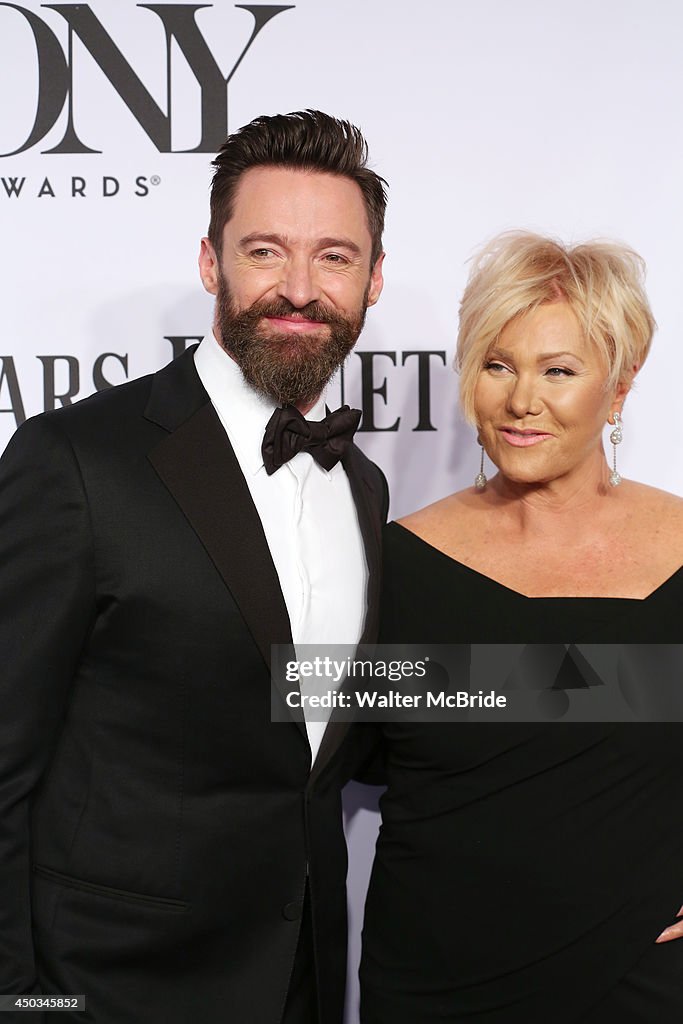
(298, 282)
(523, 397)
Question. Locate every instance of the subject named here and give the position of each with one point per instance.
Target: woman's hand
(675, 931)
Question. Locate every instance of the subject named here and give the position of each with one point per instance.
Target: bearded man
(165, 848)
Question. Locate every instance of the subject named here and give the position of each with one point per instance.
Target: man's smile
(295, 324)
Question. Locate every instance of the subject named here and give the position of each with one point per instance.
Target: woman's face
(540, 401)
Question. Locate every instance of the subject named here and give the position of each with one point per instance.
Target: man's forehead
(273, 198)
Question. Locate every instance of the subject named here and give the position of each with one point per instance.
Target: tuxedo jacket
(156, 828)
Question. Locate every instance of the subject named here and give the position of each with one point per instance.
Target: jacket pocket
(138, 898)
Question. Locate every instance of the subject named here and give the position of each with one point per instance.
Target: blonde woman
(524, 872)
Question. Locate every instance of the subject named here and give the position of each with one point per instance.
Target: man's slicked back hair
(306, 139)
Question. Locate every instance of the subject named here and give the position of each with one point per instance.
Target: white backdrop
(483, 116)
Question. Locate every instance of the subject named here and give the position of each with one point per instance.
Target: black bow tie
(288, 432)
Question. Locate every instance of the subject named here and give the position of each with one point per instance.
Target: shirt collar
(242, 411)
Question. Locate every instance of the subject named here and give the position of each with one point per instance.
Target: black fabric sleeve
(46, 606)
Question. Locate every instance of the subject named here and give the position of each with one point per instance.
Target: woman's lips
(523, 438)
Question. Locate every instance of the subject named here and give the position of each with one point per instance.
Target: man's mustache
(315, 311)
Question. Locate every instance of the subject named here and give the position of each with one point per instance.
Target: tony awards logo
(57, 72)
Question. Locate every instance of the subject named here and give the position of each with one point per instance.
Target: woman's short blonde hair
(518, 271)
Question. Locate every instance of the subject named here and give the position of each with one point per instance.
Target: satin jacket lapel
(369, 509)
(198, 466)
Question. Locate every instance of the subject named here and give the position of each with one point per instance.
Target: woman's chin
(524, 477)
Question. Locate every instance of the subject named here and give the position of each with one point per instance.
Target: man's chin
(294, 356)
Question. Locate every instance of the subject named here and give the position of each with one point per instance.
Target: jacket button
(292, 911)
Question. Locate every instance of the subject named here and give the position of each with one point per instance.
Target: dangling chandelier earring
(480, 479)
(616, 437)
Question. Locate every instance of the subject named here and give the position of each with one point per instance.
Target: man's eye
(334, 257)
(261, 254)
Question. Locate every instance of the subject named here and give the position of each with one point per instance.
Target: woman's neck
(555, 506)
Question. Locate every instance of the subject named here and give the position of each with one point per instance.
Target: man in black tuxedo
(165, 848)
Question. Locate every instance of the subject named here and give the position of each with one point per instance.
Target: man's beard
(290, 367)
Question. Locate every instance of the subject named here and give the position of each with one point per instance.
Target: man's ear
(208, 266)
(376, 281)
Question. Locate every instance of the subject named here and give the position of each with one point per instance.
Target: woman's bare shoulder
(658, 516)
(447, 515)
(656, 501)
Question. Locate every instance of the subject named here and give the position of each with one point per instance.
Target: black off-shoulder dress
(523, 871)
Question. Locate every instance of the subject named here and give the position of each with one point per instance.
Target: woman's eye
(559, 371)
(496, 367)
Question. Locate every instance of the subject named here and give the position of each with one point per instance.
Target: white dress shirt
(308, 515)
